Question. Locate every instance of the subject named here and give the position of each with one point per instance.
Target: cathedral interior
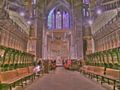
(76, 43)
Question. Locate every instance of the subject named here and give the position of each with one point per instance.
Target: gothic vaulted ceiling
(41, 3)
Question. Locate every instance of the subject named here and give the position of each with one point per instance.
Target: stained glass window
(65, 20)
(34, 2)
(49, 22)
(58, 19)
(52, 21)
(86, 1)
(84, 11)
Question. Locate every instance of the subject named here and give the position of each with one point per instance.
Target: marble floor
(62, 79)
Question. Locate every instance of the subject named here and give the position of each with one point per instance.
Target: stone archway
(56, 48)
(76, 37)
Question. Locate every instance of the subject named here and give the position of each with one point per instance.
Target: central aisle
(61, 79)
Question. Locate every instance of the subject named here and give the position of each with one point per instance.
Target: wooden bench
(99, 72)
(9, 79)
(30, 69)
(26, 73)
(23, 73)
(112, 76)
(90, 69)
(95, 72)
(83, 69)
(16, 77)
(93, 69)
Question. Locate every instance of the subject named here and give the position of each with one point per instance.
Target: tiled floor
(62, 79)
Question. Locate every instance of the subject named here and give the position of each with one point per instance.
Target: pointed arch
(58, 15)
(58, 18)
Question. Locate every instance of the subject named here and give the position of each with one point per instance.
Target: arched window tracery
(58, 19)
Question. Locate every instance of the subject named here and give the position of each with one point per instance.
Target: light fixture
(99, 11)
(22, 14)
(29, 22)
(90, 22)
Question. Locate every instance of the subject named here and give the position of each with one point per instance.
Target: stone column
(54, 19)
(93, 45)
(62, 20)
(45, 47)
(72, 47)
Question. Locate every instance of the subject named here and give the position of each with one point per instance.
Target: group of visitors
(41, 66)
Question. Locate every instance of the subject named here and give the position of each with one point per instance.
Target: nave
(37, 36)
(62, 79)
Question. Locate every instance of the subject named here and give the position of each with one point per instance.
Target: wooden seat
(31, 72)
(12, 78)
(30, 68)
(9, 79)
(102, 73)
(99, 70)
(95, 71)
(25, 73)
(112, 76)
(83, 69)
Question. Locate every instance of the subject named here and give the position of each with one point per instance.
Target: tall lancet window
(66, 21)
(51, 20)
(58, 20)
